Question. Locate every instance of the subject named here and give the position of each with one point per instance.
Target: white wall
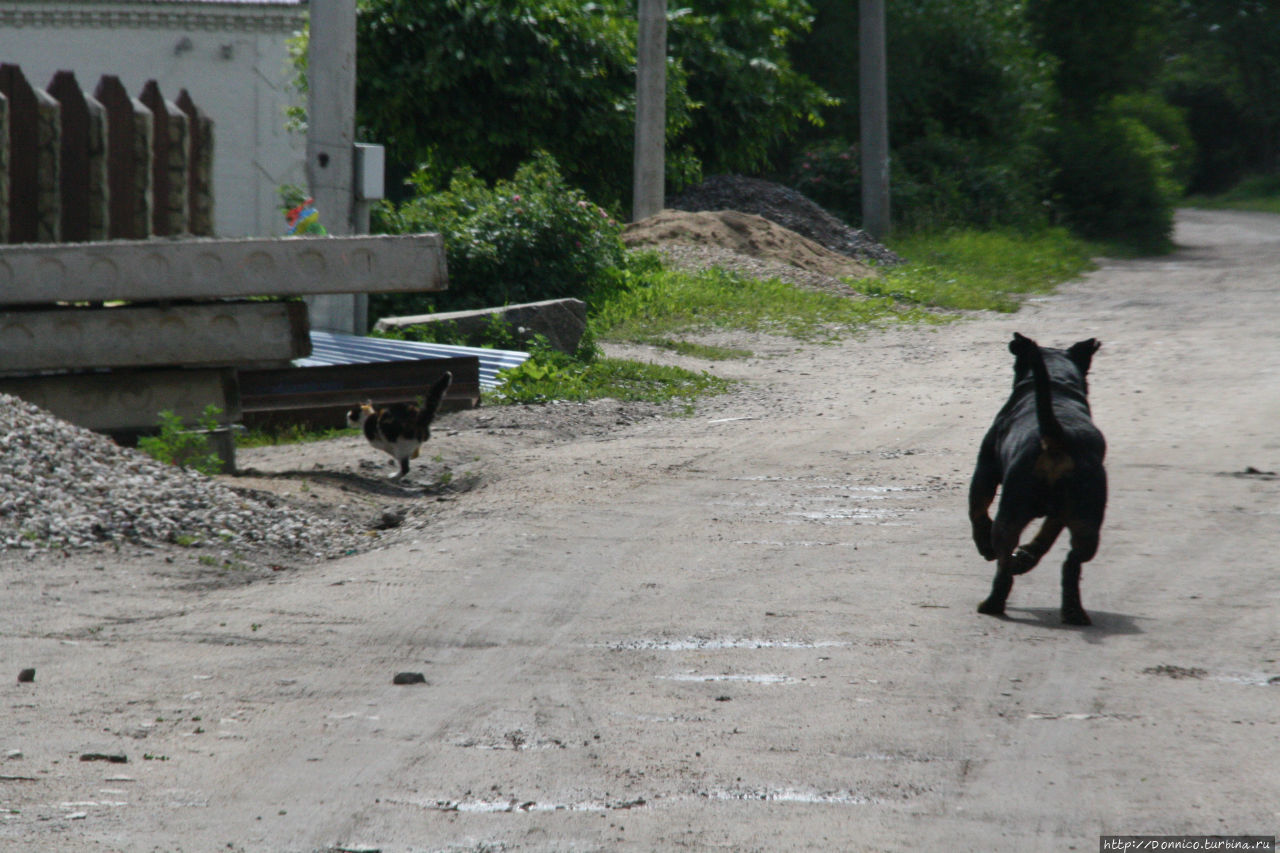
(231, 57)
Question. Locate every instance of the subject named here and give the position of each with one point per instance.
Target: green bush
(1111, 184)
(937, 182)
(830, 173)
(940, 181)
(530, 238)
(1160, 131)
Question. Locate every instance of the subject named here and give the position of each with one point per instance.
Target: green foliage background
(1097, 114)
(520, 240)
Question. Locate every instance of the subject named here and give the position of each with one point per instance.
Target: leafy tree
(749, 96)
(1223, 68)
(1115, 152)
(1101, 48)
(485, 83)
(968, 103)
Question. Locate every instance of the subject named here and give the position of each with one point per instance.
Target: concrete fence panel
(129, 133)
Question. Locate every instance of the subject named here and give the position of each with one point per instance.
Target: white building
(231, 55)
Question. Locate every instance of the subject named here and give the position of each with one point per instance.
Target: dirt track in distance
(749, 629)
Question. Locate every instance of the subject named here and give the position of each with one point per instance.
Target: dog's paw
(1023, 561)
(991, 608)
(1075, 616)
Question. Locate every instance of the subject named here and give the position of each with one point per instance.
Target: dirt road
(752, 628)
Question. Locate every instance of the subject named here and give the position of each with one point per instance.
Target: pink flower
(515, 198)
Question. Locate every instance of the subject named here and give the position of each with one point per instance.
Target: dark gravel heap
(788, 208)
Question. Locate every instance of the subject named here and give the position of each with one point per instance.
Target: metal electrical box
(370, 171)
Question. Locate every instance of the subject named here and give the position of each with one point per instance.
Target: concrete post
(200, 167)
(4, 169)
(651, 110)
(874, 114)
(331, 122)
(129, 136)
(168, 163)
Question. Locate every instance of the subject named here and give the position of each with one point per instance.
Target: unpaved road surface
(751, 628)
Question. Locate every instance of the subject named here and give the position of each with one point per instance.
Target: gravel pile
(63, 486)
(693, 258)
(787, 207)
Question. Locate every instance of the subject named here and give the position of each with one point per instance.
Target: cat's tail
(434, 396)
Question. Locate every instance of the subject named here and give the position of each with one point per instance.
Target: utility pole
(873, 104)
(651, 110)
(331, 125)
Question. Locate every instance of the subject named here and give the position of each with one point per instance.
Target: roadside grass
(555, 376)
(649, 304)
(663, 304)
(982, 270)
(1260, 193)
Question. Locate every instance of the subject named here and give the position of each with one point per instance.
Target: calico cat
(400, 428)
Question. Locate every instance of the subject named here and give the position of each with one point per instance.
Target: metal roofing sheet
(332, 348)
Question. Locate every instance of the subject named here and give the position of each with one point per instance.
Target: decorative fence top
(76, 167)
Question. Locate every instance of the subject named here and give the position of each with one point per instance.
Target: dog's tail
(1053, 438)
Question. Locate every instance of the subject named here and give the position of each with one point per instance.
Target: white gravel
(62, 486)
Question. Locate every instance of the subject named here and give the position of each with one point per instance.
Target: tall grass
(667, 303)
(982, 270)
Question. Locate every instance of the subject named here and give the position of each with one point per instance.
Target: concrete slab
(322, 396)
(130, 401)
(561, 321)
(211, 334)
(163, 270)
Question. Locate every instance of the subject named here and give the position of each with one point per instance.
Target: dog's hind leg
(1026, 557)
(1084, 545)
(1004, 538)
(982, 492)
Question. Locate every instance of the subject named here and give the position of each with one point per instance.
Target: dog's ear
(1021, 345)
(1082, 352)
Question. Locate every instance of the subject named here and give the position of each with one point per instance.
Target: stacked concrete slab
(109, 334)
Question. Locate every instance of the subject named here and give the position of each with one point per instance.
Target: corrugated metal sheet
(329, 348)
